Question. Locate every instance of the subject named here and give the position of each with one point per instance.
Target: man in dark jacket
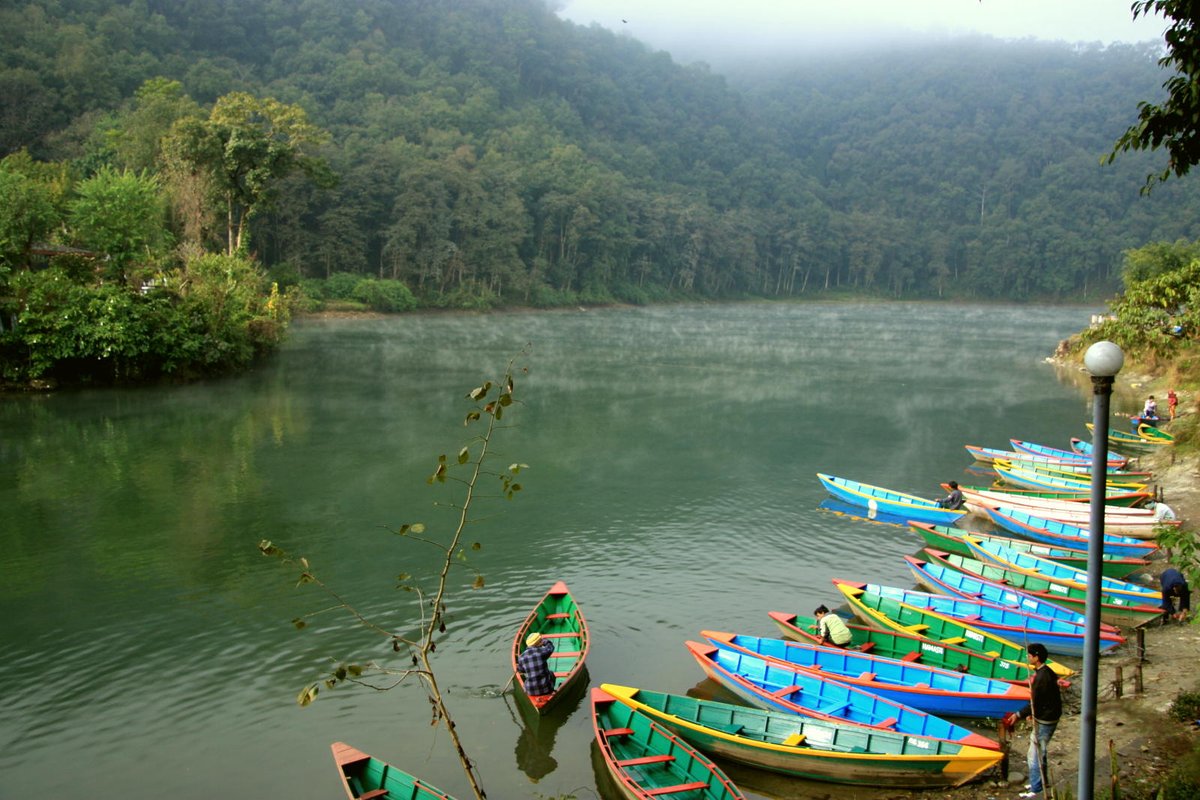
(536, 676)
(1044, 710)
(1174, 586)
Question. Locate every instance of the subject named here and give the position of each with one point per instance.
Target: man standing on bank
(1044, 710)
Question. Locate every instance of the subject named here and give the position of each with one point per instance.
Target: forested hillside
(487, 152)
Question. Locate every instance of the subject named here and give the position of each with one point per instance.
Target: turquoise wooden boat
(1114, 609)
(951, 540)
(907, 647)
(557, 618)
(899, 504)
(1113, 459)
(1060, 573)
(1061, 637)
(804, 747)
(646, 760)
(1076, 473)
(365, 777)
(940, 576)
(775, 686)
(1126, 441)
(1013, 475)
(885, 613)
(920, 686)
(1079, 466)
(1062, 534)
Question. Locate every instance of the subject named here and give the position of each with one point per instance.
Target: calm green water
(147, 649)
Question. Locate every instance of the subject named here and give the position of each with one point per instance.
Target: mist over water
(672, 455)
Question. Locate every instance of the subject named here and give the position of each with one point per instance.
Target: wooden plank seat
(567, 654)
(785, 691)
(794, 740)
(566, 635)
(833, 709)
(920, 626)
(679, 787)
(866, 647)
(867, 676)
(374, 794)
(559, 615)
(913, 655)
(637, 762)
(954, 640)
(890, 722)
(617, 731)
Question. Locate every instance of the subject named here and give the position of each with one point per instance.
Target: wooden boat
(1139, 523)
(1155, 435)
(940, 575)
(365, 777)
(1115, 610)
(951, 540)
(1075, 480)
(1113, 459)
(810, 748)
(1062, 534)
(775, 686)
(1126, 441)
(898, 504)
(882, 612)
(919, 686)
(558, 618)
(1061, 637)
(1059, 573)
(646, 760)
(1015, 476)
(908, 647)
(1078, 466)
(1076, 496)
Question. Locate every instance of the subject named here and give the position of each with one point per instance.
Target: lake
(148, 648)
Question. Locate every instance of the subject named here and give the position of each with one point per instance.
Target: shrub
(388, 297)
(340, 286)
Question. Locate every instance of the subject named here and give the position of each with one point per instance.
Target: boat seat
(912, 655)
(794, 740)
(679, 787)
(890, 722)
(373, 794)
(866, 647)
(636, 762)
(559, 615)
(954, 640)
(786, 690)
(563, 674)
(833, 709)
(617, 732)
(567, 654)
(867, 676)
(920, 626)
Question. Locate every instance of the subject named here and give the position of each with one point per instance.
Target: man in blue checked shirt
(533, 667)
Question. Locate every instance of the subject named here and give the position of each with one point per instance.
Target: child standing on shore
(1172, 401)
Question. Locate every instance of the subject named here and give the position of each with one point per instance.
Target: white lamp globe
(1104, 359)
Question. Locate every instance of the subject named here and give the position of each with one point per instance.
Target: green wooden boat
(365, 777)
(1127, 441)
(1114, 609)
(810, 748)
(1155, 435)
(1083, 497)
(907, 647)
(558, 618)
(646, 760)
(885, 612)
(951, 540)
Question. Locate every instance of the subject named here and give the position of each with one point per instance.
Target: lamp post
(1103, 360)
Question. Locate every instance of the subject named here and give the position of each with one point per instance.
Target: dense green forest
(472, 153)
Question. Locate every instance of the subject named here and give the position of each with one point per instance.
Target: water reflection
(535, 744)
(859, 512)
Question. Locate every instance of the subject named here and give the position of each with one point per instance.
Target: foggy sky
(743, 28)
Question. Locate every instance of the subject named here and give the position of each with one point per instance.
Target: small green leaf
(506, 399)
(471, 417)
(299, 623)
(499, 412)
(463, 455)
(476, 546)
(355, 670)
(402, 577)
(418, 527)
(478, 584)
(340, 673)
(307, 695)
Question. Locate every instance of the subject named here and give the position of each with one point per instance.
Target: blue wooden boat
(950, 539)
(1064, 535)
(1114, 459)
(1114, 609)
(1015, 475)
(941, 576)
(647, 760)
(1031, 564)
(1079, 466)
(804, 747)
(1061, 637)
(890, 502)
(774, 686)
(920, 686)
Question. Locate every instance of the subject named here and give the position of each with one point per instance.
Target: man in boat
(954, 500)
(1175, 586)
(831, 628)
(1043, 710)
(533, 666)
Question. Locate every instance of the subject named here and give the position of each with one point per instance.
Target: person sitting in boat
(831, 628)
(533, 665)
(954, 500)
(1150, 411)
(1175, 586)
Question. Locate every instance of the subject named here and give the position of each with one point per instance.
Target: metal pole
(1101, 393)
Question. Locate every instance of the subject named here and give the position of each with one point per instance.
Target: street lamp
(1103, 360)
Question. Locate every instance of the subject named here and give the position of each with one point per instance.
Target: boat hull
(558, 618)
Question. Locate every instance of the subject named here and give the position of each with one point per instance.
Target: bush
(1185, 707)
(1183, 782)
(340, 286)
(388, 297)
